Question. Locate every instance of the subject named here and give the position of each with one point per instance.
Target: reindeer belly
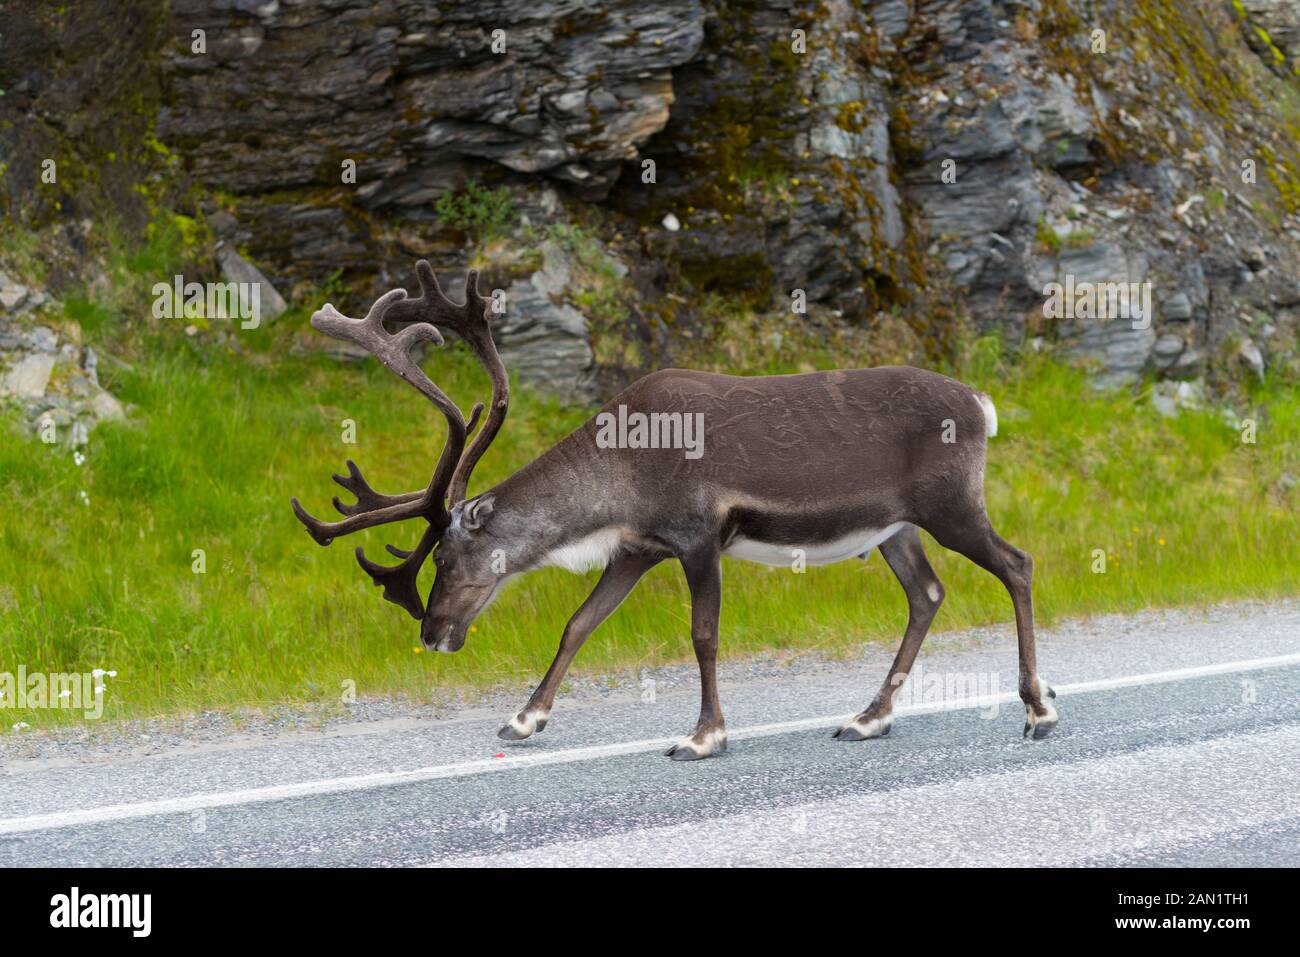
(814, 552)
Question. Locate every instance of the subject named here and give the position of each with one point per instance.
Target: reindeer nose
(445, 640)
(441, 635)
(451, 640)
(431, 631)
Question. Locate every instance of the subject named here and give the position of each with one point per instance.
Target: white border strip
(280, 792)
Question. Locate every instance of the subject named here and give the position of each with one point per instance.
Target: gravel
(205, 730)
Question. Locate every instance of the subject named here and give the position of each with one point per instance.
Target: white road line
(120, 812)
(1078, 687)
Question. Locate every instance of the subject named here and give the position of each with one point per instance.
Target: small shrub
(477, 210)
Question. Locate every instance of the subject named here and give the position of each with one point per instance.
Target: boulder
(235, 268)
(29, 376)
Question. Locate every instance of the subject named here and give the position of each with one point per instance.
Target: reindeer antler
(470, 322)
(451, 474)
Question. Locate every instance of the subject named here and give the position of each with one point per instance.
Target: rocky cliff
(635, 174)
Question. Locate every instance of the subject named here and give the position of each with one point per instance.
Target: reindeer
(828, 464)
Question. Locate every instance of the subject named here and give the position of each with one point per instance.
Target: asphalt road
(1179, 744)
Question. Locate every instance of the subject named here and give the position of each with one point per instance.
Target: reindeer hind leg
(977, 540)
(703, 570)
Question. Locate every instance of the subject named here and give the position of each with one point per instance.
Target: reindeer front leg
(619, 578)
(704, 578)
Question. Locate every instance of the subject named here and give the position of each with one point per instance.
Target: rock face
(544, 339)
(1273, 31)
(411, 91)
(777, 161)
(1077, 161)
(1120, 345)
(941, 161)
(416, 99)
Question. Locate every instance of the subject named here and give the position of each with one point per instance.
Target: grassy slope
(218, 443)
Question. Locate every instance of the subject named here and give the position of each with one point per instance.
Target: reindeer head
(461, 587)
(470, 568)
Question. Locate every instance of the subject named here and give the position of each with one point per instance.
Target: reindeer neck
(563, 496)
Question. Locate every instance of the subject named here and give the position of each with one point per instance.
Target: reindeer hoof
(861, 729)
(1039, 729)
(685, 752)
(524, 725)
(688, 749)
(1037, 725)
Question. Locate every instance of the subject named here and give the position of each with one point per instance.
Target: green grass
(218, 442)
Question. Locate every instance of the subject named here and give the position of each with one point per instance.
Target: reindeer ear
(476, 513)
